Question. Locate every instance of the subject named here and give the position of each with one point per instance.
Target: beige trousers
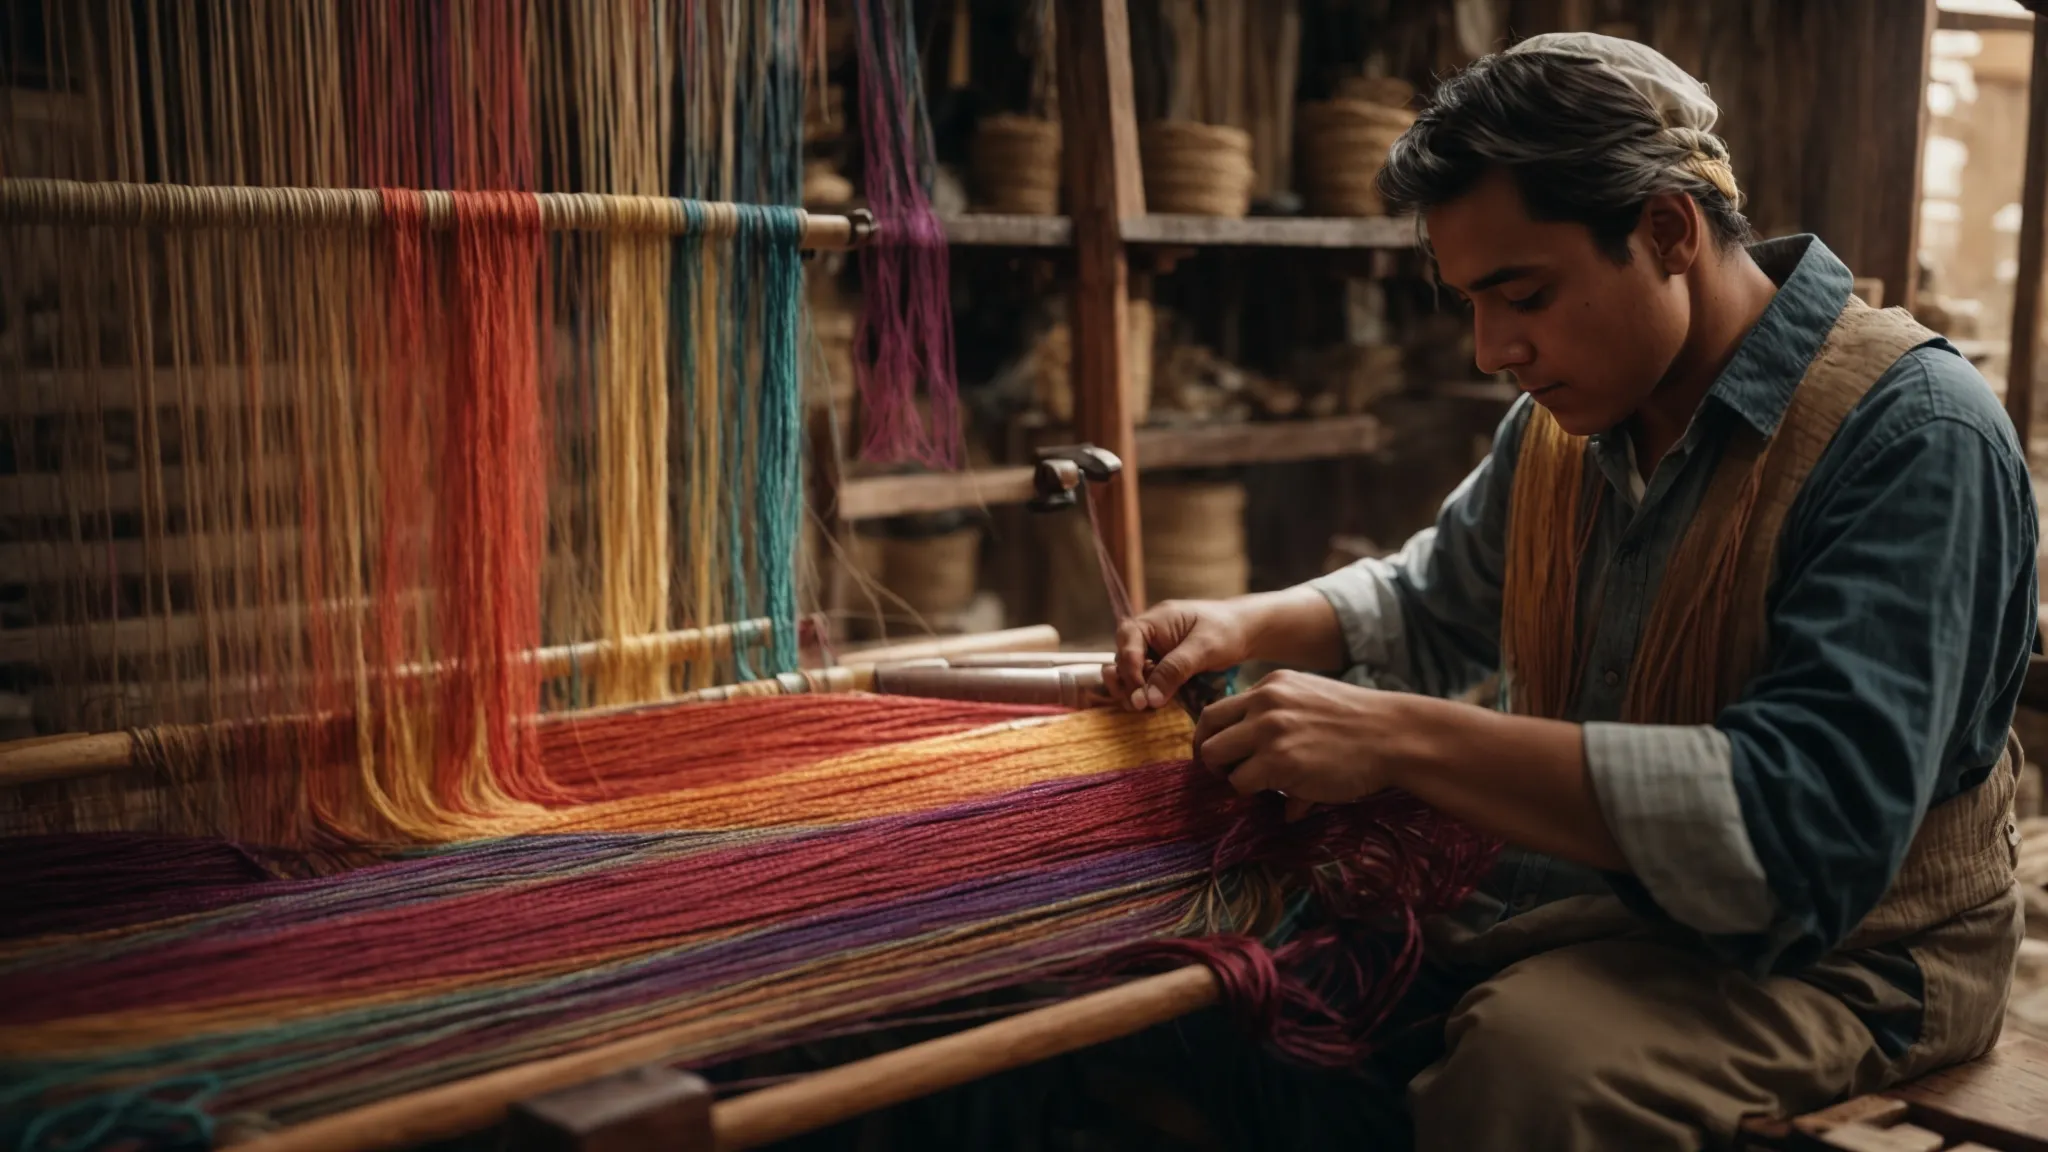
(1624, 1040)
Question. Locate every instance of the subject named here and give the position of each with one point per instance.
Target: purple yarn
(906, 323)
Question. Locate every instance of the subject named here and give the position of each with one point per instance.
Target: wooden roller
(775, 1113)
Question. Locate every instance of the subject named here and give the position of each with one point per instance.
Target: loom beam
(73, 202)
(784, 1110)
(48, 759)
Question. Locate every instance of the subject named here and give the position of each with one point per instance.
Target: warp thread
(904, 334)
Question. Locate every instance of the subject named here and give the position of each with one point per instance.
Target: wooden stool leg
(641, 1108)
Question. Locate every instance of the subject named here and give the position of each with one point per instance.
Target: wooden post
(1099, 138)
(2026, 292)
(1894, 113)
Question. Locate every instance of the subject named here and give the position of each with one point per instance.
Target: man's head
(1574, 195)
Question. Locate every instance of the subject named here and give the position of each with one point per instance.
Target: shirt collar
(1813, 286)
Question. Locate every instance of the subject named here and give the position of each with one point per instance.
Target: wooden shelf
(1952, 21)
(1273, 231)
(997, 231)
(1258, 442)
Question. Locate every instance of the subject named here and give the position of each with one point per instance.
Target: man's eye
(1531, 302)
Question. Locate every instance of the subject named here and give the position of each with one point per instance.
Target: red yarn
(1374, 870)
(492, 524)
(682, 746)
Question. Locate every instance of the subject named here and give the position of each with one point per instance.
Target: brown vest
(1697, 653)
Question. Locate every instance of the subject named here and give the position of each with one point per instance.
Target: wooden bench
(1998, 1102)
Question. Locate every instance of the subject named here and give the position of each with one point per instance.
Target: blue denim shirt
(1901, 618)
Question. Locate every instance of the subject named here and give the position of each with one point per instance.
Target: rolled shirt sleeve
(1427, 619)
(1901, 619)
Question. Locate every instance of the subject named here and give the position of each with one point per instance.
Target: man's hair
(1582, 145)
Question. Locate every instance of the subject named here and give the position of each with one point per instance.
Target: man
(1756, 563)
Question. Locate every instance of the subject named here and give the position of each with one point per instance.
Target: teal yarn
(169, 1114)
(778, 483)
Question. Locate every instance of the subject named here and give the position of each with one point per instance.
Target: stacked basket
(1194, 541)
(1015, 165)
(1344, 144)
(1196, 169)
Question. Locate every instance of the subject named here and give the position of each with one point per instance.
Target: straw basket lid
(1389, 90)
(1341, 113)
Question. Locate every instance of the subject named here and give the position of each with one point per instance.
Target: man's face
(1588, 338)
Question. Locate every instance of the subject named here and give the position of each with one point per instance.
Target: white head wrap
(1680, 100)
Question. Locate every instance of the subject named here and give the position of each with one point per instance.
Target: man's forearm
(1517, 777)
(1296, 627)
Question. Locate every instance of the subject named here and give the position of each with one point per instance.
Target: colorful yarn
(905, 331)
(304, 997)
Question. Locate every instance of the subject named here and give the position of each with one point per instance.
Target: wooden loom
(1006, 667)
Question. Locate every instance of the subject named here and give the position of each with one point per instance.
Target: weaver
(462, 346)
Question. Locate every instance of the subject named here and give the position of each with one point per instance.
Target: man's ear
(1674, 229)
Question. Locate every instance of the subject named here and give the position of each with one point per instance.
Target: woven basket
(1194, 541)
(1196, 169)
(937, 575)
(1344, 144)
(1014, 164)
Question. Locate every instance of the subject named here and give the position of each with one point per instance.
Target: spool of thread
(1344, 144)
(1014, 165)
(1195, 541)
(1196, 169)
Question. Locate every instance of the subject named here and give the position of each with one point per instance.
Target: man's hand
(1188, 637)
(1310, 738)
(1196, 636)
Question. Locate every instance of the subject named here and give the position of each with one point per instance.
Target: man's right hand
(1188, 637)
(1160, 649)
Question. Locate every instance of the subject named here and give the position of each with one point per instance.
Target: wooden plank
(1265, 442)
(1003, 231)
(2026, 293)
(2000, 1099)
(1865, 1138)
(1875, 1110)
(1338, 232)
(1099, 133)
(878, 497)
(1952, 21)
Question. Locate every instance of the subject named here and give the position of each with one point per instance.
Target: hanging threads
(905, 332)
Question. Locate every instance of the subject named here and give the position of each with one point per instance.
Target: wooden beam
(768, 1114)
(813, 1102)
(1262, 442)
(1893, 104)
(1949, 21)
(2026, 292)
(879, 497)
(1099, 134)
(1003, 231)
(1273, 232)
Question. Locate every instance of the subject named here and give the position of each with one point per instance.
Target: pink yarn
(906, 322)
(1374, 871)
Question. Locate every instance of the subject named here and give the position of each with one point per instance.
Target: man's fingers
(1259, 772)
(1127, 676)
(1222, 714)
(1175, 669)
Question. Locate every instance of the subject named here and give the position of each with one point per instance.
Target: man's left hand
(1312, 739)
